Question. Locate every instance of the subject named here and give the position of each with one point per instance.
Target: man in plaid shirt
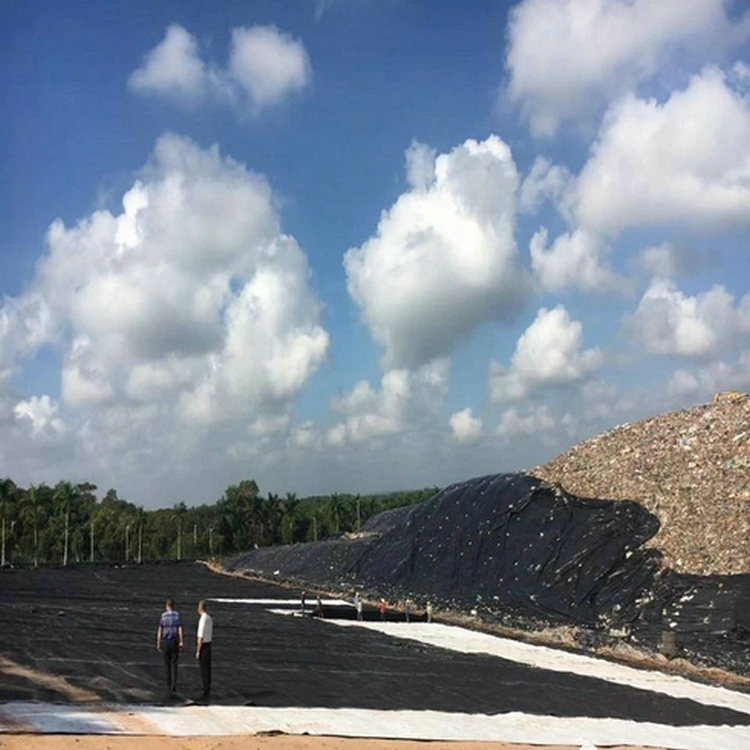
(169, 640)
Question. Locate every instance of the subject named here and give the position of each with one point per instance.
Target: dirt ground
(281, 742)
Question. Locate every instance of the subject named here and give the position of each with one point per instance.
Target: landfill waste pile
(513, 547)
(690, 468)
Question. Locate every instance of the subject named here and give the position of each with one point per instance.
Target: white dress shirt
(206, 627)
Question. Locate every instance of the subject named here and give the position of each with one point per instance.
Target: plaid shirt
(170, 622)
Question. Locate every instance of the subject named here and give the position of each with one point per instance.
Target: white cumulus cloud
(668, 322)
(545, 181)
(266, 66)
(190, 295)
(689, 386)
(26, 324)
(567, 58)
(173, 68)
(577, 258)
(41, 413)
(549, 353)
(444, 257)
(406, 400)
(682, 162)
(668, 260)
(465, 426)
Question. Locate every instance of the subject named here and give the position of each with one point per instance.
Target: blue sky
(358, 245)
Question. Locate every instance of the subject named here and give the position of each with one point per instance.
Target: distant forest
(67, 524)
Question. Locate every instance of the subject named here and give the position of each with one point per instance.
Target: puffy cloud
(741, 73)
(406, 400)
(549, 353)
(465, 427)
(26, 324)
(37, 442)
(667, 322)
(566, 58)
(420, 165)
(41, 414)
(576, 258)
(186, 326)
(266, 66)
(273, 341)
(444, 258)
(269, 425)
(190, 296)
(545, 181)
(173, 68)
(84, 376)
(306, 436)
(681, 161)
(667, 261)
(653, 165)
(689, 386)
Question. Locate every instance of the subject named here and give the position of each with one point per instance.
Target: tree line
(68, 523)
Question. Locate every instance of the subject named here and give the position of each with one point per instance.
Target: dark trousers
(205, 664)
(171, 651)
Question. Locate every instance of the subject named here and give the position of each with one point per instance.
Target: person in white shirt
(203, 648)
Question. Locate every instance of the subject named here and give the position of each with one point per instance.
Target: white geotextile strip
(348, 722)
(470, 642)
(310, 604)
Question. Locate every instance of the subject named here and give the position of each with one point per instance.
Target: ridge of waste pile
(690, 468)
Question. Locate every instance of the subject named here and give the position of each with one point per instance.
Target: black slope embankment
(510, 543)
(507, 538)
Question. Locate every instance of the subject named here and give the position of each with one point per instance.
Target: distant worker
(319, 607)
(303, 599)
(358, 604)
(382, 608)
(170, 638)
(407, 609)
(429, 611)
(205, 637)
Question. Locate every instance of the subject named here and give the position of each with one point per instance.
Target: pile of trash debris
(690, 468)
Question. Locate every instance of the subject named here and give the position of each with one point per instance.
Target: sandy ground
(279, 742)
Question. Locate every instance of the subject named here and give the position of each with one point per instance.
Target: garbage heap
(690, 468)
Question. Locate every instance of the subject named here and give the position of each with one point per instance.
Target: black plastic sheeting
(93, 628)
(709, 615)
(510, 543)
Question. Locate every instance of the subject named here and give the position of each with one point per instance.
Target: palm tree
(8, 496)
(92, 518)
(34, 512)
(87, 508)
(140, 519)
(273, 513)
(289, 517)
(178, 513)
(337, 506)
(65, 496)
